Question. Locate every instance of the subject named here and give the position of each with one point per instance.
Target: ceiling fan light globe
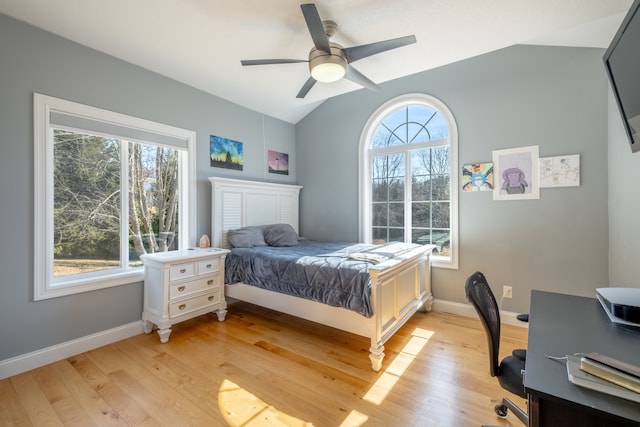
(327, 72)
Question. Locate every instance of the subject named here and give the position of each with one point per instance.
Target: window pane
(438, 127)
(86, 203)
(440, 238)
(380, 190)
(396, 235)
(440, 214)
(440, 187)
(410, 124)
(396, 190)
(388, 166)
(421, 214)
(440, 160)
(420, 236)
(396, 214)
(384, 235)
(379, 235)
(153, 200)
(380, 215)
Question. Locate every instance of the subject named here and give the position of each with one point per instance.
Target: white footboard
(399, 288)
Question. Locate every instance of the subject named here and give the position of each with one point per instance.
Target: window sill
(72, 287)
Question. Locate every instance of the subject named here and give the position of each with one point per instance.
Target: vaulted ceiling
(201, 42)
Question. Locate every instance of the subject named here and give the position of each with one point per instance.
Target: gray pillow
(246, 237)
(280, 235)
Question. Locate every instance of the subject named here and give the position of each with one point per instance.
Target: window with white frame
(408, 176)
(108, 188)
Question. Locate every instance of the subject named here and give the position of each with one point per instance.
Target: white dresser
(180, 285)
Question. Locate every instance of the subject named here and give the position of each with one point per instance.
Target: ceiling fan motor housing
(327, 67)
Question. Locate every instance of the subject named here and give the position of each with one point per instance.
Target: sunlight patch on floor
(355, 419)
(388, 379)
(243, 409)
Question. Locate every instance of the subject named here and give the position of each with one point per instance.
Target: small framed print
(560, 171)
(477, 177)
(278, 163)
(225, 153)
(516, 174)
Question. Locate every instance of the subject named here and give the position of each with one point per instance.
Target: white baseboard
(467, 310)
(45, 356)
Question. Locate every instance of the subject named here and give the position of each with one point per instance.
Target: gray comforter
(335, 274)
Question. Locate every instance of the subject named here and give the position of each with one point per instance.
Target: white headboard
(237, 203)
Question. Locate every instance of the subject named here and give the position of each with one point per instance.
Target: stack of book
(612, 370)
(605, 374)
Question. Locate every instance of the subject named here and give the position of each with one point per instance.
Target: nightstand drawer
(183, 289)
(181, 308)
(182, 271)
(208, 266)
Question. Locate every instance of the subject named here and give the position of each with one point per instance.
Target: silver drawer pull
(210, 282)
(208, 265)
(182, 306)
(181, 288)
(184, 270)
(211, 298)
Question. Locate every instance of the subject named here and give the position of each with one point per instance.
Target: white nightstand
(180, 285)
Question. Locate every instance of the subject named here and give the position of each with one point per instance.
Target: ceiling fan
(328, 61)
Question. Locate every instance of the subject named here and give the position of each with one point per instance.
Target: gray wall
(552, 97)
(624, 205)
(35, 61)
(555, 98)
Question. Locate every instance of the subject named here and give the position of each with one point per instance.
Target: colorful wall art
(225, 153)
(278, 162)
(477, 177)
(516, 172)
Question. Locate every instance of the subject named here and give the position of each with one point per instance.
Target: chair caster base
(501, 410)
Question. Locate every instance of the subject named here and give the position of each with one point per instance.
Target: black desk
(564, 324)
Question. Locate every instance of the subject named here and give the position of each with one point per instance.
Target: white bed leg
(428, 304)
(376, 355)
(222, 314)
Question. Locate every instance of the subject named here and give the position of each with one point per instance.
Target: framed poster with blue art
(477, 177)
(225, 153)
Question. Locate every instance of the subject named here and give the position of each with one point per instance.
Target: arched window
(408, 176)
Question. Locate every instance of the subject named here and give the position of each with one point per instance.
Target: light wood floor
(262, 368)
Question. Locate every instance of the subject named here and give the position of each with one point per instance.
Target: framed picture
(516, 174)
(560, 171)
(477, 177)
(278, 162)
(225, 153)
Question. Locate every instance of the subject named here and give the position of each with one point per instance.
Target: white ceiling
(201, 42)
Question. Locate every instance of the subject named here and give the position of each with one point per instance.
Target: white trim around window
(50, 111)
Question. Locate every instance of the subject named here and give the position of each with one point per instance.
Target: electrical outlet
(507, 292)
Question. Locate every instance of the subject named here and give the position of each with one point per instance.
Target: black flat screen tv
(622, 62)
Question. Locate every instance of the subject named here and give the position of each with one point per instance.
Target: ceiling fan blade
(358, 52)
(357, 77)
(314, 23)
(306, 87)
(271, 61)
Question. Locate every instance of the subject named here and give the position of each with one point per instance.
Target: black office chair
(510, 371)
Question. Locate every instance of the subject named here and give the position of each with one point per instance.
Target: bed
(398, 281)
